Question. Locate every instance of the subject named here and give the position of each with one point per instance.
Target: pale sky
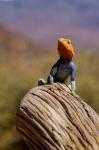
(51, 19)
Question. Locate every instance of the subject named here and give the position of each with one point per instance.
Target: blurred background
(29, 30)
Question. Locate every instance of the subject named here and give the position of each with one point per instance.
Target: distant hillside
(13, 43)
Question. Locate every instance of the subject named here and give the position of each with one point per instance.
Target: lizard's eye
(69, 42)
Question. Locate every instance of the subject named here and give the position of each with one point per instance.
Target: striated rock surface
(50, 118)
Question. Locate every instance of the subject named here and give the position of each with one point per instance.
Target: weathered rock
(50, 118)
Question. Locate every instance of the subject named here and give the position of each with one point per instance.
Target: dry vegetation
(21, 64)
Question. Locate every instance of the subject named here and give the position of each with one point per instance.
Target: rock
(51, 118)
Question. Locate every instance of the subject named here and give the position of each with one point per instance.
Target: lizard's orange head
(65, 48)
